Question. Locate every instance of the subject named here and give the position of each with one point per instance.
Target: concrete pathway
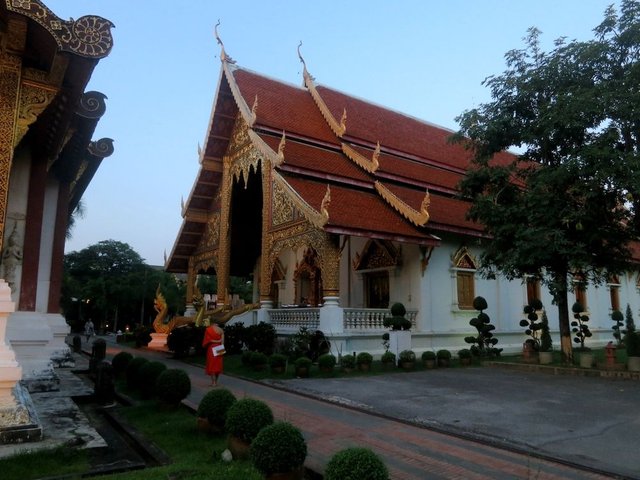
(476, 423)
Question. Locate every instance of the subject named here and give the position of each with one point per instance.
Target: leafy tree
(110, 283)
(563, 209)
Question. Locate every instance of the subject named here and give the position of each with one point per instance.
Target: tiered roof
(388, 175)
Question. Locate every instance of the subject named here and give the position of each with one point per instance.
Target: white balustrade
(294, 318)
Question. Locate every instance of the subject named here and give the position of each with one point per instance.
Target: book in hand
(218, 350)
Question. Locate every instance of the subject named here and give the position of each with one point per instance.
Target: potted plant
(429, 359)
(464, 355)
(259, 361)
(400, 326)
(632, 345)
(363, 360)
(407, 359)
(277, 363)
(326, 362)
(356, 462)
(348, 363)
(388, 359)
(444, 357)
(302, 366)
(212, 410)
(279, 451)
(545, 355)
(580, 329)
(245, 418)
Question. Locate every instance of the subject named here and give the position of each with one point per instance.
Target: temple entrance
(308, 280)
(377, 289)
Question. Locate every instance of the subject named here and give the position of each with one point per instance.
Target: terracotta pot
(297, 474)
(465, 362)
(406, 365)
(238, 447)
(429, 364)
(302, 372)
(277, 370)
(364, 367)
(633, 364)
(545, 358)
(443, 362)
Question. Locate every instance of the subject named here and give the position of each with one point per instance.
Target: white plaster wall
(46, 245)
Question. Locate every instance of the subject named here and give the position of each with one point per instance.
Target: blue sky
(425, 58)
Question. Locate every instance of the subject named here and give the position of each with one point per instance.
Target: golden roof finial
(182, 203)
(254, 108)
(223, 55)
(375, 157)
(424, 206)
(324, 206)
(281, 146)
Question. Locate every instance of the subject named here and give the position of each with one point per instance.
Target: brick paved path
(410, 452)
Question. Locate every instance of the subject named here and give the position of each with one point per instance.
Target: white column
(331, 316)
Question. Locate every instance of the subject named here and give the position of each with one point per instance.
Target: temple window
(614, 292)
(533, 289)
(464, 268)
(580, 290)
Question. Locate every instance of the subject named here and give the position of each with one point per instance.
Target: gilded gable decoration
(369, 165)
(463, 258)
(377, 254)
(282, 208)
(419, 218)
(211, 236)
(339, 128)
(34, 98)
(243, 156)
(316, 218)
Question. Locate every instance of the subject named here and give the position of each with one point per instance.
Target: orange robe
(211, 339)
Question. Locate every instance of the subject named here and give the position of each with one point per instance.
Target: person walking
(89, 330)
(213, 342)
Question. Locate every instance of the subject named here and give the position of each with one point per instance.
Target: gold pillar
(10, 73)
(224, 249)
(330, 263)
(266, 263)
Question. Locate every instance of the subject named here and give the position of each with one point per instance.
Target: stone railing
(360, 319)
(294, 318)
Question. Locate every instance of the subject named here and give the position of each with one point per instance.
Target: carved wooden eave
(418, 218)
(88, 36)
(339, 128)
(316, 218)
(228, 65)
(370, 165)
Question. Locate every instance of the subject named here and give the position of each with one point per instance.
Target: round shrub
(302, 362)
(428, 355)
(348, 361)
(443, 354)
(479, 303)
(149, 373)
(258, 359)
(246, 417)
(398, 310)
(397, 320)
(246, 358)
(355, 464)
(364, 357)
(388, 357)
(173, 386)
(464, 353)
(278, 448)
(133, 371)
(120, 361)
(407, 356)
(277, 360)
(327, 361)
(215, 404)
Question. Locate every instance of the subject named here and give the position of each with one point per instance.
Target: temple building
(47, 159)
(337, 208)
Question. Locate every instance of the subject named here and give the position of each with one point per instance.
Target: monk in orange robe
(213, 337)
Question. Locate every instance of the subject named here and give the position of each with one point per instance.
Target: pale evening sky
(425, 58)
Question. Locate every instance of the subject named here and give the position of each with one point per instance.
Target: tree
(110, 283)
(563, 210)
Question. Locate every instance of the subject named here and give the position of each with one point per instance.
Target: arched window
(614, 292)
(464, 268)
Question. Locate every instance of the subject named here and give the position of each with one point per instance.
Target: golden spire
(223, 55)
(281, 146)
(324, 206)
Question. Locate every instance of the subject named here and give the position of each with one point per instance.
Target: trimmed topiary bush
(364, 358)
(246, 358)
(149, 373)
(407, 356)
(259, 360)
(397, 320)
(173, 386)
(348, 361)
(327, 361)
(356, 464)
(278, 448)
(133, 372)
(428, 355)
(246, 417)
(388, 357)
(214, 406)
(120, 361)
(278, 362)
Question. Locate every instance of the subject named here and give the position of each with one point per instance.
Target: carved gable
(377, 254)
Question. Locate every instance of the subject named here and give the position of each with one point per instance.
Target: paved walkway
(477, 423)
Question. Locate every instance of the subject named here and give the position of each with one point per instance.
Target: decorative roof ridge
(89, 36)
(419, 218)
(275, 158)
(370, 166)
(228, 66)
(317, 218)
(321, 176)
(338, 128)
